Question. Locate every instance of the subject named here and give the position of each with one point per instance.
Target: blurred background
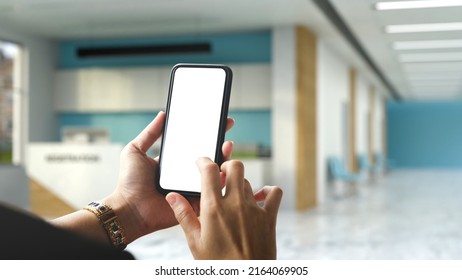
(353, 107)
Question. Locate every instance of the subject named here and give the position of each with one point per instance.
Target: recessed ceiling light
(436, 95)
(426, 27)
(436, 89)
(422, 45)
(399, 5)
(440, 68)
(436, 83)
(434, 77)
(430, 57)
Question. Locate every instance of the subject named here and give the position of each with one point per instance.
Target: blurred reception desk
(81, 173)
(258, 172)
(76, 173)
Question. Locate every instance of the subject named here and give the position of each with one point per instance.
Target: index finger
(271, 196)
(229, 123)
(210, 178)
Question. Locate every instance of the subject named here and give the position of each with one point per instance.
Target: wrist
(110, 223)
(128, 217)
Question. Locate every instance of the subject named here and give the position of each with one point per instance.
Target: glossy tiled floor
(404, 215)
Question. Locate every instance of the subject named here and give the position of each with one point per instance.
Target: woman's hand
(136, 200)
(233, 225)
(140, 208)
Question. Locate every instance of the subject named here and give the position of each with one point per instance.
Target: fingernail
(171, 199)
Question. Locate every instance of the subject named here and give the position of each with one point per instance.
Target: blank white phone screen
(192, 126)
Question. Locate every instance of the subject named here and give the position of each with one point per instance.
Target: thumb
(185, 215)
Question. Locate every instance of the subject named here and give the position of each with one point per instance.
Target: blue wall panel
(425, 134)
(250, 126)
(251, 47)
(226, 48)
(122, 127)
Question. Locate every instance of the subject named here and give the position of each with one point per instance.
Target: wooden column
(352, 157)
(306, 194)
(371, 125)
(384, 131)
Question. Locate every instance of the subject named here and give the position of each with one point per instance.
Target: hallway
(407, 215)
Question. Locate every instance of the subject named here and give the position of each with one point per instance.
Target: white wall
(333, 82)
(379, 122)
(14, 188)
(332, 95)
(362, 109)
(284, 113)
(332, 100)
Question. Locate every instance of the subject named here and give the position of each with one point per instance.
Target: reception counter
(80, 173)
(76, 173)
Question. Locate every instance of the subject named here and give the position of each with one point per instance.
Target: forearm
(86, 223)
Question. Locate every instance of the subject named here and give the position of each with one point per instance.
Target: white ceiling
(432, 79)
(70, 19)
(103, 18)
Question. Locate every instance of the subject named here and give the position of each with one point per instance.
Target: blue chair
(379, 162)
(367, 167)
(364, 163)
(338, 171)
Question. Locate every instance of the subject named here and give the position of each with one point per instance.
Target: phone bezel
(222, 124)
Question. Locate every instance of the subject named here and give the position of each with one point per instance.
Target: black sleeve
(25, 237)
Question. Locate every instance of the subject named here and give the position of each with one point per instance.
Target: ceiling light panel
(434, 67)
(436, 80)
(425, 27)
(425, 45)
(400, 5)
(436, 83)
(430, 57)
(421, 96)
(432, 75)
(436, 93)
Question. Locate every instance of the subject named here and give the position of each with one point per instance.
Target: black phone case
(223, 119)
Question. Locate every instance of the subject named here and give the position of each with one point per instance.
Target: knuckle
(214, 211)
(214, 206)
(240, 205)
(278, 191)
(236, 164)
(210, 167)
(211, 203)
(126, 150)
(247, 187)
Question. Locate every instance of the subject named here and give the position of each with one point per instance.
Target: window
(9, 92)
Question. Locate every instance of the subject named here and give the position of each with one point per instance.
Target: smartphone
(195, 124)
